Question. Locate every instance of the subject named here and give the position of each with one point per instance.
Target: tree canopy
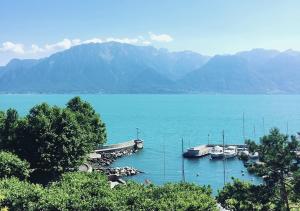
(12, 166)
(277, 165)
(53, 140)
(244, 196)
(91, 191)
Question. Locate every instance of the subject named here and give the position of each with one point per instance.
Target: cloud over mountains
(23, 51)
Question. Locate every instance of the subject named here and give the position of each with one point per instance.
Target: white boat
(198, 151)
(230, 152)
(253, 155)
(216, 152)
(245, 152)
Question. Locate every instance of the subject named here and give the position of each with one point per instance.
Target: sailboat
(218, 152)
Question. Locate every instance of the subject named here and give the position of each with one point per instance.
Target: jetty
(128, 145)
(205, 149)
(101, 159)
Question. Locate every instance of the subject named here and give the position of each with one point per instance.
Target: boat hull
(216, 156)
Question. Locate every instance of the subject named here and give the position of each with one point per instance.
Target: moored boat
(198, 151)
(230, 152)
(217, 152)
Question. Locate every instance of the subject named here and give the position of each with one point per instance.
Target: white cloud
(160, 37)
(19, 50)
(123, 40)
(36, 49)
(12, 47)
(94, 40)
(146, 42)
(64, 44)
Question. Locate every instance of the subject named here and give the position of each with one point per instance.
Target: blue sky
(34, 28)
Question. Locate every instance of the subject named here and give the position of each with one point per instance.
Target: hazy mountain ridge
(122, 68)
(107, 67)
(255, 71)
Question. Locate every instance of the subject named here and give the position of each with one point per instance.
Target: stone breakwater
(120, 171)
(105, 159)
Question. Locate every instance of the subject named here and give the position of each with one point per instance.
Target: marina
(207, 149)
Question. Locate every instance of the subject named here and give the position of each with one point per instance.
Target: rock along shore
(103, 161)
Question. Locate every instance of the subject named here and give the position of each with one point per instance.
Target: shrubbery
(12, 166)
(91, 191)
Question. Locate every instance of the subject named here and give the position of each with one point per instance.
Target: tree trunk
(284, 194)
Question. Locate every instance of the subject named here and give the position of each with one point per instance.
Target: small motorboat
(217, 152)
(230, 152)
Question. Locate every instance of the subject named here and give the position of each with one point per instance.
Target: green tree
(52, 140)
(252, 146)
(8, 125)
(89, 120)
(1, 200)
(91, 191)
(79, 191)
(277, 156)
(296, 185)
(277, 153)
(244, 196)
(19, 195)
(180, 196)
(12, 166)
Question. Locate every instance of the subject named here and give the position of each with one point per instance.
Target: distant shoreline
(144, 93)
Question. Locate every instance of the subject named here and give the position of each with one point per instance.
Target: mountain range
(123, 68)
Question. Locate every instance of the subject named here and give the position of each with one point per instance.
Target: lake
(164, 120)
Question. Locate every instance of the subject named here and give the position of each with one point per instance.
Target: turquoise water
(165, 119)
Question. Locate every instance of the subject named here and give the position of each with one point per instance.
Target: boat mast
(182, 167)
(244, 126)
(264, 125)
(208, 139)
(164, 160)
(137, 133)
(223, 157)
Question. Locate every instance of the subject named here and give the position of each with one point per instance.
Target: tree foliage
(296, 185)
(178, 196)
(89, 120)
(78, 191)
(8, 125)
(91, 191)
(52, 139)
(244, 196)
(19, 195)
(12, 166)
(277, 157)
(277, 153)
(252, 147)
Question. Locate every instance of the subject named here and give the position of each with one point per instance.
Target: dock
(205, 149)
(132, 144)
